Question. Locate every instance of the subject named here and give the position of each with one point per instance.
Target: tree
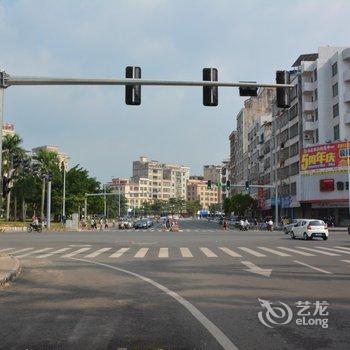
(176, 206)
(146, 208)
(158, 207)
(214, 207)
(192, 207)
(241, 203)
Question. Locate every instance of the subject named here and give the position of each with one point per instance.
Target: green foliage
(192, 207)
(240, 204)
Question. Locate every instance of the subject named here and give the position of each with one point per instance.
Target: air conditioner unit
(307, 137)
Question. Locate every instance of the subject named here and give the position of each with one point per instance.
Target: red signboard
(324, 158)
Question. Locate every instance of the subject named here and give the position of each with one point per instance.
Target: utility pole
(1, 124)
(64, 193)
(105, 201)
(48, 215)
(119, 203)
(85, 208)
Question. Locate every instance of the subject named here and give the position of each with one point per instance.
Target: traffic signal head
(210, 93)
(228, 185)
(247, 186)
(133, 92)
(248, 90)
(282, 93)
(209, 184)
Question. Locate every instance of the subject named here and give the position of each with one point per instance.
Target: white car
(310, 228)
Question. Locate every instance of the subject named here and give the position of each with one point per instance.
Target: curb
(13, 273)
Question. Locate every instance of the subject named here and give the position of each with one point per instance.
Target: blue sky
(245, 40)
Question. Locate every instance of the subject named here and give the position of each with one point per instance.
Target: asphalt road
(194, 289)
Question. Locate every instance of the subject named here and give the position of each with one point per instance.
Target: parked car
(287, 228)
(310, 228)
(140, 224)
(149, 222)
(124, 223)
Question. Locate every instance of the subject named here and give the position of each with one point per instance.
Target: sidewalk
(9, 268)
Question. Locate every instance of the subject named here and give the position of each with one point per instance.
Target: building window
(334, 69)
(335, 89)
(293, 130)
(293, 188)
(294, 149)
(315, 74)
(340, 186)
(316, 135)
(316, 114)
(293, 112)
(336, 132)
(335, 110)
(294, 168)
(316, 95)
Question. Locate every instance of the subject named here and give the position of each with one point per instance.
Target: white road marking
(62, 250)
(98, 252)
(253, 252)
(76, 252)
(186, 253)
(319, 251)
(22, 250)
(163, 253)
(141, 253)
(335, 250)
(119, 253)
(221, 338)
(346, 261)
(230, 252)
(273, 251)
(340, 247)
(256, 269)
(208, 252)
(34, 252)
(296, 251)
(312, 267)
(6, 249)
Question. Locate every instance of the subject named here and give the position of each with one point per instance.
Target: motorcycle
(33, 227)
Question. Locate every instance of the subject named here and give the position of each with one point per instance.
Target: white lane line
(186, 253)
(141, 253)
(221, 338)
(273, 251)
(6, 249)
(76, 252)
(230, 252)
(33, 252)
(208, 252)
(334, 250)
(119, 253)
(340, 247)
(163, 253)
(296, 251)
(253, 252)
(97, 252)
(312, 267)
(346, 261)
(21, 250)
(62, 250)
(319, 251)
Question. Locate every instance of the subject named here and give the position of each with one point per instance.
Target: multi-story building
(225, 176)
(62, 157)
(304, 150)
(212, 173)
(198, 190)
(8, 129)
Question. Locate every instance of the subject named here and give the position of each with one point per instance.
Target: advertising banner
(328, 158)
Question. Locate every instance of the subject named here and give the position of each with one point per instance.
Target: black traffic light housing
(248, 90)
(133, 92)
(228, 185)
(210, 93)
(209, 184)
(283, 93)
(247, 186)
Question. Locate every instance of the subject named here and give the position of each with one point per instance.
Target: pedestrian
(246, 224)
(106, 223)
(270, 225)
(241, 224)
(225, 224)
(101, 224)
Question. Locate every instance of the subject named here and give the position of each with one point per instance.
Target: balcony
(308, 107)
(346, 54)
(307, 68)
(347, 96)
(308, 88)
(347, 118)
(308, 125)
(346, 75)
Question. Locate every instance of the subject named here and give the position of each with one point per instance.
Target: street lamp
(63, 167)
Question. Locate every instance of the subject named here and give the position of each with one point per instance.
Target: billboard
(324, 159)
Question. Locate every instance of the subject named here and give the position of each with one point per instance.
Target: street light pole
(1, 124)
(105, 201)
(48, 215)
(64, 193)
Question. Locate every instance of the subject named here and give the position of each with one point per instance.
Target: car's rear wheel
(325, 238)
(305, 236)
(285, 231)
(292, 235)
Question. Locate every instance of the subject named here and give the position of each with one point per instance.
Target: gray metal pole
(48, 215)
(105, 201)
(85, 208)
(276, 205)
(64, 193)
(119, 203)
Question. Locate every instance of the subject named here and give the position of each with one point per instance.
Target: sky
(168, 39)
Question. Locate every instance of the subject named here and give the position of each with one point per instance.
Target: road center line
(312, 267)
(221, 338)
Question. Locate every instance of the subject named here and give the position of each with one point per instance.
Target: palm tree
(13, 153)
(47, 161)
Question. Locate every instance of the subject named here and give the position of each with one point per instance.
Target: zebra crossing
(164, 230)
(211, 252)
